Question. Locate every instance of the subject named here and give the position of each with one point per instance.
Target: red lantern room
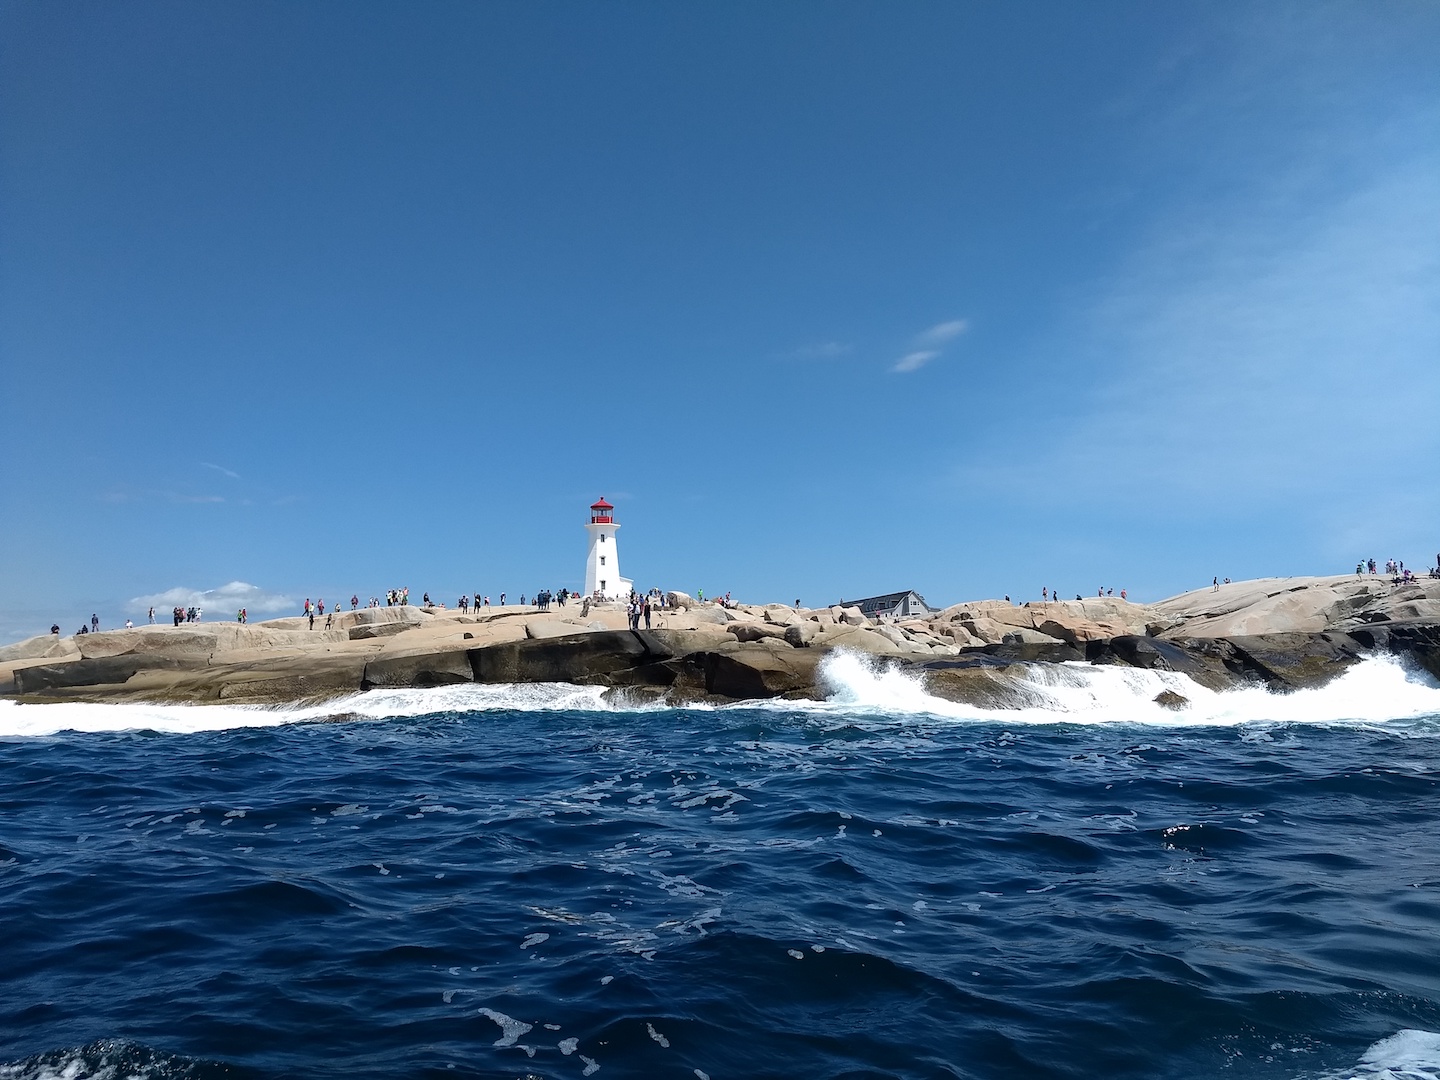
(602, 513)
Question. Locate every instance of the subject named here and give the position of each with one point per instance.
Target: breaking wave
(1410, 1054)
(1378, 690)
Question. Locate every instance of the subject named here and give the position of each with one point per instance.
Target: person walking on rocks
(647, 613)
(94, 623)
(152, 614)
(312, 618)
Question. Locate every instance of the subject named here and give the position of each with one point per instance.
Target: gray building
(896, 605)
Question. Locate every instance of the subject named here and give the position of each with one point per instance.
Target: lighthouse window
(602, 538)
(602, 560)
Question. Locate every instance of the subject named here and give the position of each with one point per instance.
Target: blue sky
(828, 299)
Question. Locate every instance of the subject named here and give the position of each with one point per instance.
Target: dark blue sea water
(442, 885)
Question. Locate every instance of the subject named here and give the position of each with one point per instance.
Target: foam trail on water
(27, 720)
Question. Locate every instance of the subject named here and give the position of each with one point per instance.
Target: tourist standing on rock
(312, 618)
(502, 599)
(647, 612)
(94, 623)
(1215, 584)
(328, 618)
(152, 614)
(354, 602)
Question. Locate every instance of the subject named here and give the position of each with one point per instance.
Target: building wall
(603, 545)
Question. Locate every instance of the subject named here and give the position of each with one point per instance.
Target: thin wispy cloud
(914, 361)
(221, 469)
(1274, 350)
(943, 332)
(929, 345)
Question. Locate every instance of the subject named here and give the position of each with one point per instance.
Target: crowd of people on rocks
(1049, 595)
(1395, 570)
(637, 608)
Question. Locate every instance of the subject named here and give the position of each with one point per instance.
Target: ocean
(535, 881)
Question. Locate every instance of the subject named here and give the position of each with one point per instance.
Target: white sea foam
(1409, 1054)
(1375, 691)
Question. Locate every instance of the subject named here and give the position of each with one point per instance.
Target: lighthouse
(602, 563)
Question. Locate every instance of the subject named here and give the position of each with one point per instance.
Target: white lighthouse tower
(602, 563)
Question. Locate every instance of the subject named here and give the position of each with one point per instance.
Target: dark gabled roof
(885, 600)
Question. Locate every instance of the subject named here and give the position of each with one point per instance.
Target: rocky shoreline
(1283, 633)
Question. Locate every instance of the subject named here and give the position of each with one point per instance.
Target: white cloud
(221, 469)
(226, 598)
(929, 342)
(943, 332)
(914, 361)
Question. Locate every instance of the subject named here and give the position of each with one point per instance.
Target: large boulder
(692, 618)
(1074, 631)
(99, 671)
(861, 639)
(800, 635)
(46, 646)
(755, 631)
(1021, 636)
(371, 631)
(554, 628)
(567, 659)
(762, 669)
(427, 668)
(186, 640)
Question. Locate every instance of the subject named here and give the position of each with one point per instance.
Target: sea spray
(1377, 690)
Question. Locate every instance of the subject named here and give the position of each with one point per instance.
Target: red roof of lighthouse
(601, 505)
